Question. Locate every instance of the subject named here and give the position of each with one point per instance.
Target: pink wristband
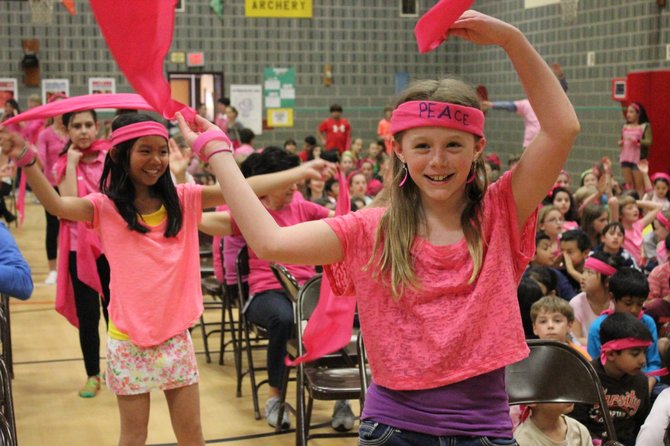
(28, 159)
(227, 149)
(208, 136)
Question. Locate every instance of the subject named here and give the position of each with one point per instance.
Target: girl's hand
(620, 142)
(318, 169)
(12, 143)
(178, 162)
(643, 165)
(481, 29)
(74, 155)
(191, 134)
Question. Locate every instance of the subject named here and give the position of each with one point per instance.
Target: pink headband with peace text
(599, 266)
(137, 130)
(413, 114)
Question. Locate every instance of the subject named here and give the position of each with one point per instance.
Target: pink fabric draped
(329, 327)
(432, 27)
(85, 102)
(89, 249)
(139, 35)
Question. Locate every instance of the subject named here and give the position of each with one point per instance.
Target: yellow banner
(280, 117)
(278, 8)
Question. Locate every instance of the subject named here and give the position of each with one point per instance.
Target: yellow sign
(280, 117)
(177, 57)
(278, 8)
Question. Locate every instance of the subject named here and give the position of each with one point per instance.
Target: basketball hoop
(41, 11)
(569, 10)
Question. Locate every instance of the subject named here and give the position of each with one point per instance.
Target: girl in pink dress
(634, 143)
(434, 272)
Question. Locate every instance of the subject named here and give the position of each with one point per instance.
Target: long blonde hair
(403, 219)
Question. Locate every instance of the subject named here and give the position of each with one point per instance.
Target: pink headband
(661, 176)
(664, 221)
(599, 266)
(437, 114)
(635, 106)
(621, 344)
(137, 130)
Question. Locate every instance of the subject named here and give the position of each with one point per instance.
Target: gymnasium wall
(367, 42)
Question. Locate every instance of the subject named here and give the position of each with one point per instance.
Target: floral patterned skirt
(133, 370)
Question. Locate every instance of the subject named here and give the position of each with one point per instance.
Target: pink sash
(329, 327)
(431, 29)
(89, 249)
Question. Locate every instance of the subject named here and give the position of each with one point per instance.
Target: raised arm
(652, 209)
(69, 208)
(544, 157)
(310, 243)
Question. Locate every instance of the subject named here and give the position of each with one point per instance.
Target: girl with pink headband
(634, 143)
(148, 229)
(435, 271)
(656, 186)
(594, 298)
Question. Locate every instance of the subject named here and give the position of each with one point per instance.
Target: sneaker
(51, 278)
(272, 406)
(91, 388)
(343, 416)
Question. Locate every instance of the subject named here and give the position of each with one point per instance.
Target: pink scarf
(88, 247)
(329, 327)
(431, 29)
(139, 35)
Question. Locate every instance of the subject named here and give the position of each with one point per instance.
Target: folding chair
(209, 287)
(534, 380)
(288, 283)
(320, 381)
(6, 334)
(246, 328)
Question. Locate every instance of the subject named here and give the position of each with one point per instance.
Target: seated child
(547, 425)
(552, 319)
(657, 425)
(612, 239)
(628, 287)
(658, 278)
(595, 296)
(544, 258)
(619, 367)
(575, 247)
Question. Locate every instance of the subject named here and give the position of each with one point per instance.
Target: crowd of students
(433, 220)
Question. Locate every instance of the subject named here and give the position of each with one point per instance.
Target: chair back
(536, 379)
(288, 282)
(242, 270)
(308, 298)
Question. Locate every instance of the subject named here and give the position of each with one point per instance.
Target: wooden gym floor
(49, 369)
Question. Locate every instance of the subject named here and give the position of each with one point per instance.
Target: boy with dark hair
(629, 289)
(619, 366)
(544, 257)
(575, 247)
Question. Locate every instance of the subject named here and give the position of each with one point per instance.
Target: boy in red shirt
(335, 132)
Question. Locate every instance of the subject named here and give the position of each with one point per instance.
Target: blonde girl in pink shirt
(149, 231)
(435, 272)
(634, 224)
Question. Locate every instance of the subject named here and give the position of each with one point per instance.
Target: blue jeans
(377, 434)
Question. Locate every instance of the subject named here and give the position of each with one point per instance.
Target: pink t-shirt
(244, 149)
(658, 281)
(530, 122)
(31, 130)
(584, 315)
(630, 149)
(154, 281)
(49, 146)
(570, 225)
(448, 330)
(632, 241)
(261, 277)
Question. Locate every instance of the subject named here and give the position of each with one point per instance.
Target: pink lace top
(630, 150)
(449, 330)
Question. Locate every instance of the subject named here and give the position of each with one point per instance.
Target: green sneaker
(91, 388)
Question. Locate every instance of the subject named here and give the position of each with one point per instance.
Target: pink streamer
(431, 29)
(329, 327)
(139, 35)
(78, 103)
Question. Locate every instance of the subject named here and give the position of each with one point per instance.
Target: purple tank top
(476, 407)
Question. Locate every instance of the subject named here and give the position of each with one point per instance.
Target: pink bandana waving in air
(429, 30)
(139, 35)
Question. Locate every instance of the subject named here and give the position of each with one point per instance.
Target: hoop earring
(471, 178)
(404, 179)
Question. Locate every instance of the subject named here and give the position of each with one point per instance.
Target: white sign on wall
(535, 3)
(248, 100)
(98, 85)
(51, 87)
